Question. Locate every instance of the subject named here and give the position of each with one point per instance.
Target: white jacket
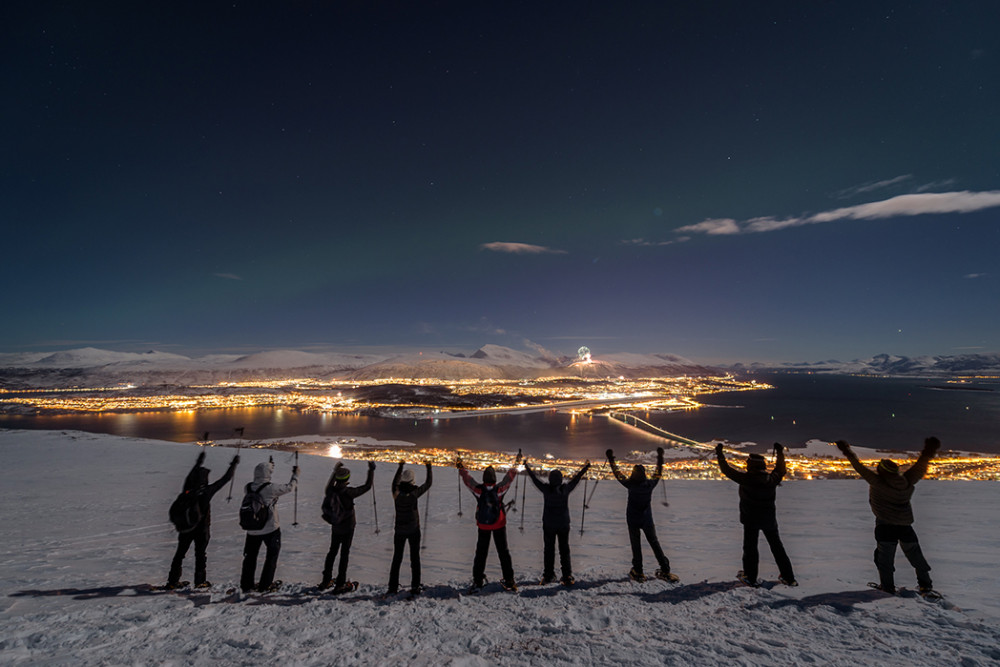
(270, 494)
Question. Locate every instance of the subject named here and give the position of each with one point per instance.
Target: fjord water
(871, 412)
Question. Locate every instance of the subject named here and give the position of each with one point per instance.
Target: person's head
(342, 475)
(756, 463)
(489, 475)
(197, 478)
(262, 472)
(406, 477)
(888, 468)
(555, 477)
(638, 473)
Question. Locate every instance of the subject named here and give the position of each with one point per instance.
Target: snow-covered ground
(85, 524)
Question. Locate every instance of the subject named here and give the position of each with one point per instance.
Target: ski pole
(427, 508)
(295, 510)
(459, 494)
(375, 510)
(517, 481)
(239, 445)
(523, 491)
(583, 515)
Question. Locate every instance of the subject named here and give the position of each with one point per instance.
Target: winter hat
(555, 477)
(756, 463)
(638, 473)
(489, 475)
(343, 474)
(888, 466)
(406, 477)
(262, 472)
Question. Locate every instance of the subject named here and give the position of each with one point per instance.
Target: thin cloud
(871, 186)
(520, 248)
(973, 276)
(228, 276)
(936, 185)
(644, 243)
(901, 206)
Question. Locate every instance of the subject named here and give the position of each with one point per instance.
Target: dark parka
(889, 492)
(347, 494)
(639, 509)
(405, 496)
(757, 489)
(555, 512)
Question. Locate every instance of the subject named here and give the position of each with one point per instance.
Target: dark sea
(869, 412)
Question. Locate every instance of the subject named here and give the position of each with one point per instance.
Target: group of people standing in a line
(890, 490)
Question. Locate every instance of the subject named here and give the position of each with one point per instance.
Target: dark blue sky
(721, 180)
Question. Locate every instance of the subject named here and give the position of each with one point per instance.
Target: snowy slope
(87, 511)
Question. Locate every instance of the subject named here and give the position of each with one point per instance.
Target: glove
(201, 457)
(235, 461)
(778, 448)
(718, 449)
(610, 454)
(459, 464)
(659, 452)
(518, 459)
(843, 446)
(371, 465)
(295, 470)
(932, 444)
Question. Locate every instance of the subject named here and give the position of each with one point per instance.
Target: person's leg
(272, 542)
(479, 564)
(251, 547)
(564, 560)
(661, 558)
(911, 549)
(751, 555)
(781, 558)
(183, 544)
(201, 539)
(345, 557)
(633, 538)
(549, 554)
(398, 542)
(331, 556)
(885, 553)
(414, 541)
(506, 565)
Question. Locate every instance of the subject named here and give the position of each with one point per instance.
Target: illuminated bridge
(672, 438)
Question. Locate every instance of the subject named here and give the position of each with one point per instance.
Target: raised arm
(659, 466)
(466, 477)
(577, 477)
(395, 479)
(534, 478)
(727, 470)
(360, 490)
(917, 471)
(779, 464)
(222, 481)
(427, 484)
(865, 472)
(614, 468)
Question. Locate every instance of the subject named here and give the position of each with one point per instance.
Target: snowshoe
(509, 585)
(634, 575)
(325, 584)
(273, 588)
(173, 586)
(568, 580)
(346, 587)
(928, 593)
(478, 585)
(667, 576)
(416, 590)
(891, 590)
(743, 578)
(204, 584)
(787, 582)
(546, 579)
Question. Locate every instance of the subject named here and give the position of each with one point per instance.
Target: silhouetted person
(491, 519)
(556, 522)
(639, 515)
(405, 495)
(339, 496)
(197, 482)
(757, 512)
(889, 492)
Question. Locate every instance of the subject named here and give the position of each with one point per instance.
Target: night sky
(726, 181)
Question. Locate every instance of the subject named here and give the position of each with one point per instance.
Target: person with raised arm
(639, 515)
(556, 521)
(338, 511)
(491, 520)
(758, 514)
(405, 494)
(268, 534)
(889, 493)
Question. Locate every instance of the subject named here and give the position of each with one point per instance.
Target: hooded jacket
(347, 494)
(270, 494)
(640, 491)
(405, 496)
(501, 488)
(555, 512)
(757, 490)
(198, 479)
(889, 493)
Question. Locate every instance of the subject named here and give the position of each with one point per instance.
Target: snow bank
(85, 525)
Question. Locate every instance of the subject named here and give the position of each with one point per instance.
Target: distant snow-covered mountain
(886, 364)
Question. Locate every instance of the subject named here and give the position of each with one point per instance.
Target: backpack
(254, 512)
(488, 506)
(185, 511)
(334, 512)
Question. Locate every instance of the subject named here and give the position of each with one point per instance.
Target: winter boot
(743, 578)
(568, 580)
(635, 575)
(509, 585)
(787, 582)
(667, 576)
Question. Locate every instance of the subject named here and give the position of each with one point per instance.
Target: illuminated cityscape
(627, 401)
